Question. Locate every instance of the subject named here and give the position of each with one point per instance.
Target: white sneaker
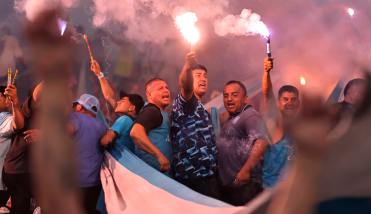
(4, 210)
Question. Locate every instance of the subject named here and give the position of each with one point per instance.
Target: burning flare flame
(302, 81)
(186, 23)
(62, 25)
(351, 11)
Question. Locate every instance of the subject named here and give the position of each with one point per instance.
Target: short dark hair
(199, 66)
(2, 89)
(357, 81)
(239, 83)
(152, 80)
(288, 88)
(135, 99)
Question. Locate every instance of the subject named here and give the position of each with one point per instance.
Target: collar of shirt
(231, 116)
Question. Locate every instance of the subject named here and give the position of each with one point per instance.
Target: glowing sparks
(62, 25)
(351, 11)
(303, 82)
(186, 23)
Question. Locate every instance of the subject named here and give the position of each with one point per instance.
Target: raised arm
(107, 90)
(11, 92)
(268, 105)
(186, 78)
(140, 138)
(267, 88)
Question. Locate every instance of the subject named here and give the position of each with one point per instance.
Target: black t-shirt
(150, 117)
(17, 159)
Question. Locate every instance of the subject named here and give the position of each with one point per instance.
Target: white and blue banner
(132, 186)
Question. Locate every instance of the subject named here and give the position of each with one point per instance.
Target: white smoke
(245, 24)
(153, 20)
(32, 7)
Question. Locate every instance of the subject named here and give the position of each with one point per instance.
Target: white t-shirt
(6, 129)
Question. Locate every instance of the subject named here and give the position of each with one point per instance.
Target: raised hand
(268, 64)
(11, 93)
(95, 67)
(190, 59)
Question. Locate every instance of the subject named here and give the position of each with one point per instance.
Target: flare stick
(15, 76)
(269, 52)
(88, 46)
(9, 76)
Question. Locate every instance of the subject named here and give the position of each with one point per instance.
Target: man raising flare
(275, 115)
(192, 134)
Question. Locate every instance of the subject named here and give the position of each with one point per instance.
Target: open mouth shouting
(166, 97)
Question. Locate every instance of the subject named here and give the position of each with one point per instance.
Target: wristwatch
(101, 75)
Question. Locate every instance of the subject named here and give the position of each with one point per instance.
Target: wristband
(101, 75)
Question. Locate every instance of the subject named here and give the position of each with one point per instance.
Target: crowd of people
(234, 163)
(249, 153)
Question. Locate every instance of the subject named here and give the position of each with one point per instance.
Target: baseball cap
(89, 102)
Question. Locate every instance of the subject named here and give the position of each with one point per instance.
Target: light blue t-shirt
(122, 127)
(156, 123)
(275, 159)
(159, 137)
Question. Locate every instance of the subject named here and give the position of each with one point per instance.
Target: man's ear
(132, 108)
(245, 100)
(78, 107)
(148, 94)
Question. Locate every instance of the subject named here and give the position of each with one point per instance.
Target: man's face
(158, 93)
(288, 103)
(124, 106)
(234, 98)
(199, 82)
(4, 103)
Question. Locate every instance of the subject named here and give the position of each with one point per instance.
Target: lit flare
(186, 23)
(351, 11)
(88, 46)
(303, 82)
(62, 25)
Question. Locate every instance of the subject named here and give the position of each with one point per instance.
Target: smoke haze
(314, 39)
(32, 7)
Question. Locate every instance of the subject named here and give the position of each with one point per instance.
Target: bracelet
(101, 75)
